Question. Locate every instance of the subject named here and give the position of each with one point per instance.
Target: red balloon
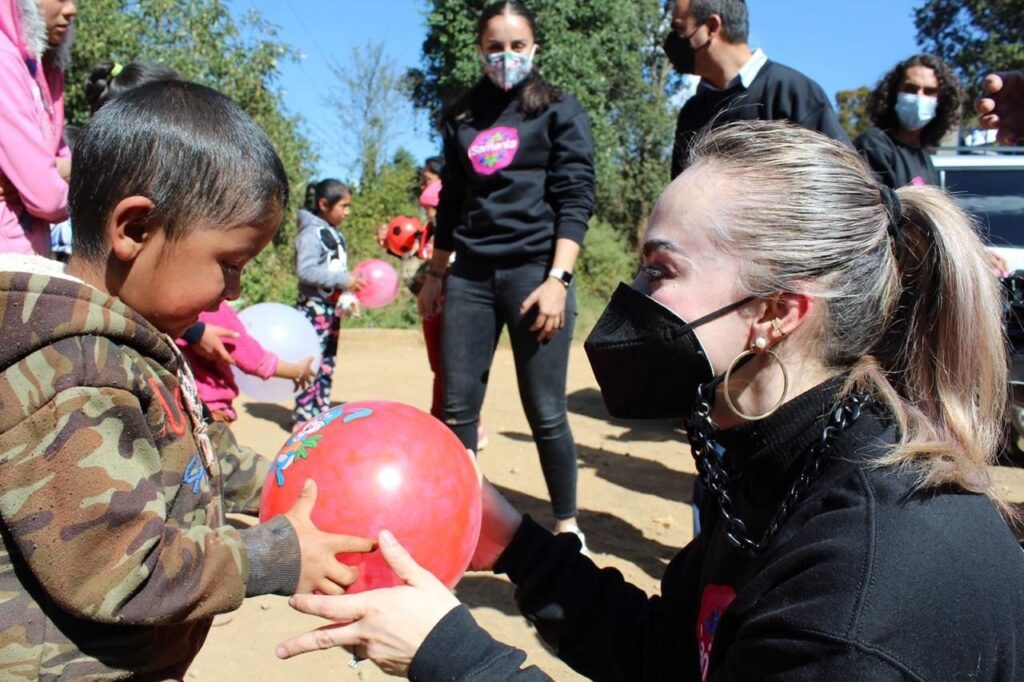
(403, 236)
(380, 465)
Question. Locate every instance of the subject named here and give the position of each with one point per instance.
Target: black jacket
(777, 92)
(513, 184)
(868, 579)
(893, 163)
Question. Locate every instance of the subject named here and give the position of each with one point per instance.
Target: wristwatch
(562, 275)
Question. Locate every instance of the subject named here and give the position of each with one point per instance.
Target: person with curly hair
(912, 107)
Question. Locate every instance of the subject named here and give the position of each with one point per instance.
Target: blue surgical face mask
(915, 111)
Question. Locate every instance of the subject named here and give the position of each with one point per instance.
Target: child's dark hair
(435, 165)
(107, 80)
(190, 150)
(536, 94)
(330, 190)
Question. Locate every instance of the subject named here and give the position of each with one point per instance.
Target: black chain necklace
(718, 480)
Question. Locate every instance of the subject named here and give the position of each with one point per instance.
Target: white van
(990, 186)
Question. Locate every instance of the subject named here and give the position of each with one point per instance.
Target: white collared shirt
(748, 72)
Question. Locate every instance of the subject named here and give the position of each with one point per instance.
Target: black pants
(479, 300)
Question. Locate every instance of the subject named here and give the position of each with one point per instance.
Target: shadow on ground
(589, 403)
(606, 533)
(271, 412)
(639, 474)
(633, 473)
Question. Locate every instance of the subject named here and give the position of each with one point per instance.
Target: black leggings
(479, 300)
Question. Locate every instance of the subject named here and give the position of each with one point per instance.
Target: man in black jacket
(709, 39)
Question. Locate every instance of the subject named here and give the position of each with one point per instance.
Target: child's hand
(306, 373)
(321, 571)
(382, 234)
(355, 282)
(211, 345)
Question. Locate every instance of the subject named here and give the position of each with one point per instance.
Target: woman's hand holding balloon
(387, 626)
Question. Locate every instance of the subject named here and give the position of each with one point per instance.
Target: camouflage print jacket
(115, 555)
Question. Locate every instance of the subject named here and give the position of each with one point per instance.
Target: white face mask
(915, 111)
(508, 69)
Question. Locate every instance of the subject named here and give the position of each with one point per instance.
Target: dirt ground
(634, 485)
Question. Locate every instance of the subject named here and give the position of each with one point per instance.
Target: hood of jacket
(308, 219)
(40, 305)
(21, 23)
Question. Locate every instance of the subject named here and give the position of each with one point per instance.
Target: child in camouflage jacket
(115, 554)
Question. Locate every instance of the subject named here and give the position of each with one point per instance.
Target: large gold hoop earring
(782, 398)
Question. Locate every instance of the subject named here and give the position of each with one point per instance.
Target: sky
(842, 44)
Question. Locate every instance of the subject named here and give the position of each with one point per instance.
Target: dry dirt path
(634, 486)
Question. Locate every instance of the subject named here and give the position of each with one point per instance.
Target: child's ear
(128, 228)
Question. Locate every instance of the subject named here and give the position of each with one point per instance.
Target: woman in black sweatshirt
(838, 348)
(518, 190)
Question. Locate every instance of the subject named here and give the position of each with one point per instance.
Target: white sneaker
(575, 530)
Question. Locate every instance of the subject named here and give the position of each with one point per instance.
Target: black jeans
(479, 300)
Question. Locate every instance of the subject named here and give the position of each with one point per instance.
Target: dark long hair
(330, 189)
(102, 85)
(882, 102)
(536, 94)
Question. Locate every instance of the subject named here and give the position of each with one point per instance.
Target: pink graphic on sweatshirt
(494, 149)
(918, 182)
(713, 603)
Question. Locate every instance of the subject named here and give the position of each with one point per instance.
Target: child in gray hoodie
(323, 277)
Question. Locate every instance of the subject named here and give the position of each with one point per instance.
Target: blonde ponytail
(941, 364)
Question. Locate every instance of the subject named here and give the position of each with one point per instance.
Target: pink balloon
(380, 283)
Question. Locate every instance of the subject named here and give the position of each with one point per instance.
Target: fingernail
(308, 484)
(291, 602)
(386, 538)
(281, 652)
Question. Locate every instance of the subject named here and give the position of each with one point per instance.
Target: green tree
(371, 100)
(239, 57)
(853, 110)
(973, 36)
(605, 53)
(389, 192)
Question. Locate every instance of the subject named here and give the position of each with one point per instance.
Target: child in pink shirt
(217, 387)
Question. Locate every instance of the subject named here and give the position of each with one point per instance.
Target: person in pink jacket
(216, 383)
(35, 40)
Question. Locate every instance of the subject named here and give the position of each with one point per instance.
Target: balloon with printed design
(383, 465)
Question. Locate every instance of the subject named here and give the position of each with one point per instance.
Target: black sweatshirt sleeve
(571, 175)
(453, 191)
(822, 118)
(780, 654)
(877, 151)
(459, 650)
(598, 623)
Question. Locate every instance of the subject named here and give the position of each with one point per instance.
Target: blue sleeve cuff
(194, 333)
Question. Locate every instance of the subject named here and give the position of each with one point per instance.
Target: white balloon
(282, 330)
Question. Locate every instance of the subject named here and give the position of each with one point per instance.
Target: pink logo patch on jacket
(494, 149)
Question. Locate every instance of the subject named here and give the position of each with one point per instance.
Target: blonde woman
(838, 347)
